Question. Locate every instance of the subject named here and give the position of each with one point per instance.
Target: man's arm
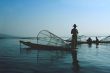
(72, 31)
(77, 31)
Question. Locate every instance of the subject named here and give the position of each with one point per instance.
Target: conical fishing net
(47, 38)
(106, 39)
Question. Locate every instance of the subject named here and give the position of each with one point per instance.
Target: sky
(28, 17)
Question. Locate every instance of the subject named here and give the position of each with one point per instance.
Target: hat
(74, 25)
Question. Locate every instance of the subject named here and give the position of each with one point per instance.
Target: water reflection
(97, 45)
(42, 56)
(52, 59)
(89, 45)
(75, 63)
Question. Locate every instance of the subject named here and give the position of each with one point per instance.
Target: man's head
(74, 26)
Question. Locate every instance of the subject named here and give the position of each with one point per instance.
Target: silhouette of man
(74, 33)
(89, 40)
(97, 40)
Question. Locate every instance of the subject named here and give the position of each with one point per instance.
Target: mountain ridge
(5, 36)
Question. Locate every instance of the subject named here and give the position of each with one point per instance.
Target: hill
(6, 36)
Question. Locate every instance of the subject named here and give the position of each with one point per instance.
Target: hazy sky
(28, 17)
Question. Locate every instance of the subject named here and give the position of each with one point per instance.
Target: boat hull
(44, 47)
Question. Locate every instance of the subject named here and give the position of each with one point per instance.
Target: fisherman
(74, 33)
(97, 40)
(89, 40)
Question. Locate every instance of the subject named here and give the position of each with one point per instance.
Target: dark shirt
(74, 31)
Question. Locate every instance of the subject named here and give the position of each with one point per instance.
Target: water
(13, 59)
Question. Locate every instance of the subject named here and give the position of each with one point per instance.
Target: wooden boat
(44, 47)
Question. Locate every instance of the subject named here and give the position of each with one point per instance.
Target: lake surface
(18, 59)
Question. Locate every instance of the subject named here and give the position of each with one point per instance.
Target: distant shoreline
(17, 37)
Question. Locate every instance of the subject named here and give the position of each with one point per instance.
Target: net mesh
(79, 39)
(84, 38)
(105, 39)
(47, 38)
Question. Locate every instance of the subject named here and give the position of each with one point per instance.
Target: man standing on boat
(74, 33)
